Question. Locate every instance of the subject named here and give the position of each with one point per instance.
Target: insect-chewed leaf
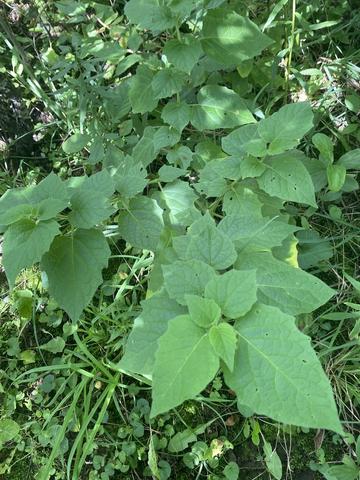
(287, 178)
(278, 374)
(281, 285)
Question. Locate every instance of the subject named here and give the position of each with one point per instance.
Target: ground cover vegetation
(180, 227)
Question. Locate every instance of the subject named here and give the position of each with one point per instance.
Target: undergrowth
(132, 129)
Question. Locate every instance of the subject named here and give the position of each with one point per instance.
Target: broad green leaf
(116, 102)
(232, 471)
(76, 143)
(349, 471)
(165, 137)
(12, 202)
(24, 303)
(181, 440)
(211, 183)
(185, 364)
(251, 167)
(287, 178)
(49, 208)
(213, 177)
(230, 38)
(50, 187)
(167, 82)
(203, 311)
(180, 156)
(96, 151)
(9, 429)
(206, 151)
(352, 102)
(89, 202)
(219, 107)
(277, 373)
(212, 247)
(150, 15)
(336, 175)
(148, 327)
(157, 15)
(223, 338)
(242, 200)
(73, 266)
(178, 199)
(285, 128)
(55, 345)
(141, 94)
(272, 460)
(186, 277)
(142, 224)
(176, 114)
(351, 160)
(89, 208)
(100, 182)
(42, 201)
(313, 249)
(27, 357)
(19, 212)
(255, 234)
(25, 242)
(127, 62)
(144, 151)
(183, 53)
(317, 172)
(325, 146)
(168, 173)
(153, 460)
(355, 283)
(130, 177)
(244, 140)
(281, 285)
(234, 291)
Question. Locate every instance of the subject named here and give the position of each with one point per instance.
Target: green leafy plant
(189, 132)
(224, 281)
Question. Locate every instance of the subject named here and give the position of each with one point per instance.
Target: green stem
(291, 43)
